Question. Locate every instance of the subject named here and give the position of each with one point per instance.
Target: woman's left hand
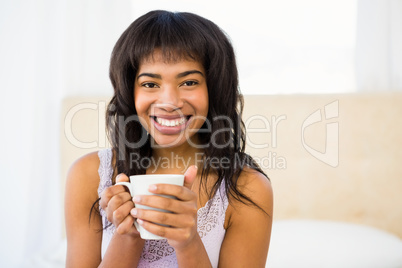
(181, 226)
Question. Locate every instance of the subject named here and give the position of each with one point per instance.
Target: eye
(149, 85)
(190, 83)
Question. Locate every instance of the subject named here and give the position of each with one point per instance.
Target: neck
(175, 159)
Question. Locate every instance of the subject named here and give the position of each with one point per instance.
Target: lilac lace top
(158, 253)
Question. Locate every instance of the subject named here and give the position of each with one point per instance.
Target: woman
(176, 101)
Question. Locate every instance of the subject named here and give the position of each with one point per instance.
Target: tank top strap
(105, 169)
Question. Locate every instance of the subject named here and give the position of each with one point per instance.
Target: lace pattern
(158, 253)
(105, 174)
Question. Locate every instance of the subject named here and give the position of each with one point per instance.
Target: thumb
(189, 176)
(122, 178)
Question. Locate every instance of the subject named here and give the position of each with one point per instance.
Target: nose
(170, 99)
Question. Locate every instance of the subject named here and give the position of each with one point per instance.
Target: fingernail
(136, 199)
(140, 222)
(152, 187)
(134, 212)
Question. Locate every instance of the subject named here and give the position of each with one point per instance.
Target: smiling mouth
(171, 122)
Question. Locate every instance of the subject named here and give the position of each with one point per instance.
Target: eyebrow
(150, 75)
(183, 74)
(180, 75)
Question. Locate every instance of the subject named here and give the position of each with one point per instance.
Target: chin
(169, 142)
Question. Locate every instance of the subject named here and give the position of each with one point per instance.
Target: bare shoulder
(84, 171)
(87, 163)
(248, 226)
(83, 179)
(257, 187)
(81, 190)
(251, 178)
(81, 194)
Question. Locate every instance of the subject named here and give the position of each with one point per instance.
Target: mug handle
(128, 185)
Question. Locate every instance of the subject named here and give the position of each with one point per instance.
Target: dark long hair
(180, 35)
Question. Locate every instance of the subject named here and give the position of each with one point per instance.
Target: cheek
(204, 103)
(139, 106)
(141, 103)
(142, 106)
(201, 103)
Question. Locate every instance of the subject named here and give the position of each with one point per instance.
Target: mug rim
(157, 175)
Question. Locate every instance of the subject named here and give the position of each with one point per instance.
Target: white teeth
(171, 123)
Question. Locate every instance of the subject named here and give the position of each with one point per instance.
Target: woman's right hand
(117, 202)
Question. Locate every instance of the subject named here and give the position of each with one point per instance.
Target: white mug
(139, 185)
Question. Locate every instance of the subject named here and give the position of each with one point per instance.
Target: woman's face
(171, 99)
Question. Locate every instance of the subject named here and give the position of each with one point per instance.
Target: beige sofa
(329, 157)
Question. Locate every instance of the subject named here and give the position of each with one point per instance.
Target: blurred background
(54, 49)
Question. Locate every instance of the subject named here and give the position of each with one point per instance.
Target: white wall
(30, 89)
(287, 46)
(92, 28)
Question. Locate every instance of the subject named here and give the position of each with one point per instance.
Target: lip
(170, 116)
(170, 130)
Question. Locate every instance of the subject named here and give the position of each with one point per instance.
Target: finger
(121, 212)
(126, 225)
(122, 178)
(109, 193)
(166, 232)
(189, 176)
(165, 218)
(119, 199)
(180, 192)
(115, 202)
(169, 204)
